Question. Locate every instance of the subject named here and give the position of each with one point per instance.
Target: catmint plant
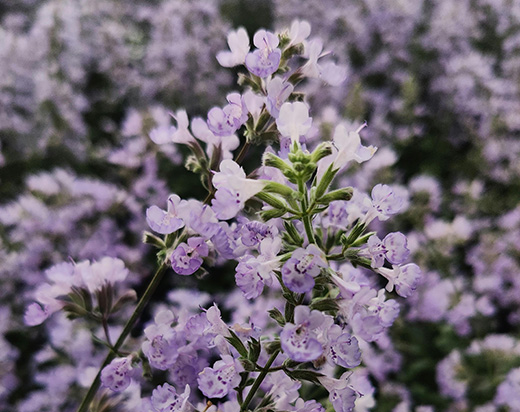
(292, 236)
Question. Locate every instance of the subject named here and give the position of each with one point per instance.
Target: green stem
(124, 334)
(259, 379)
(305, 211)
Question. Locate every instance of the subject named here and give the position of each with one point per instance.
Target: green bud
(324, 149)
(271, 200)
(353, 236)
(272, 214)
(271, 347)
(340, 194)
(277, 316)
(275, 187)
(151, 239)
(248, 365)
(270, 159)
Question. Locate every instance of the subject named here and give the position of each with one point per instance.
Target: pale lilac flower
(166, 399)
(293, 120)
(238, 42)
(233, 189)
(343, 348)
(404, 278)
(341, 394)
(226, 121)
(278, 91)
(308, 406)
(227, 144)
(181, 134)
(199, 217)
(264, 61)
(97, 274)
(347, 146)
(165, 221)
(186, 259)
(216, 382)
(35, 314)
(303, 266)
(300, 30)
(337, 216)
(328, 72)
(253, 273)
(253, 232)
(117, 375)
(299, 340)
(392, 247)
(385, 203)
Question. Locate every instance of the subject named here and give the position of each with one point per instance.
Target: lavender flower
(216, 382)
(299, 340)
(393, 247)
(165, 222)
(165, 399)
(265, 60)
(186, 259)
(238, 42)
(117, 375)
(303, 266)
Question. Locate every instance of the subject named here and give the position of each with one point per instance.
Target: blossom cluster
(304, 256)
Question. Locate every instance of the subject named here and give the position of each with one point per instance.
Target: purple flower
(299, 341)
(252, 233)
(200, 218)
(186, 259)
(35, 314)
(393, 247)
(117, 375)
(341, 394)
(404, 278)
(165, 399)
(343, 348)
(233, 189)
(328, 72)
(293, 120)
(278, 92)
(385, 203)
(226, 121)
(165, 222)
(216, 382)
(337, 215)
(252, 273)
(299, 271)
(238, 42)
(264, 61)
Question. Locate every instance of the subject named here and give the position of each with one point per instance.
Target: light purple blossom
(404, 278)
(35, 314)
(186, 259)
(393, 247)
(238, 42)
(299, 340)
(302, 267)
(265, 60)
(341, 394)
(165, 222)
(216, 382)
(166, 399)
(385, 203)
(343, 348)
(328, 72)
(293, 120)
(117, 375)
(233, 189)
(253, 273)
(226, 121)
(278, 91)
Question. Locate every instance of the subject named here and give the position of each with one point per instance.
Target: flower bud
(340, 194)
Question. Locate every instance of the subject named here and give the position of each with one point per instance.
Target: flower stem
(259, 379)
(124, 334)
(305, 211)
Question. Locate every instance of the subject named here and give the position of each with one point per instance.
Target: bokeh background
(82, 82)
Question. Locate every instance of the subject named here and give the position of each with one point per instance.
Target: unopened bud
(340, 194)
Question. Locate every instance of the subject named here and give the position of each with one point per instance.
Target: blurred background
(82, 82)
